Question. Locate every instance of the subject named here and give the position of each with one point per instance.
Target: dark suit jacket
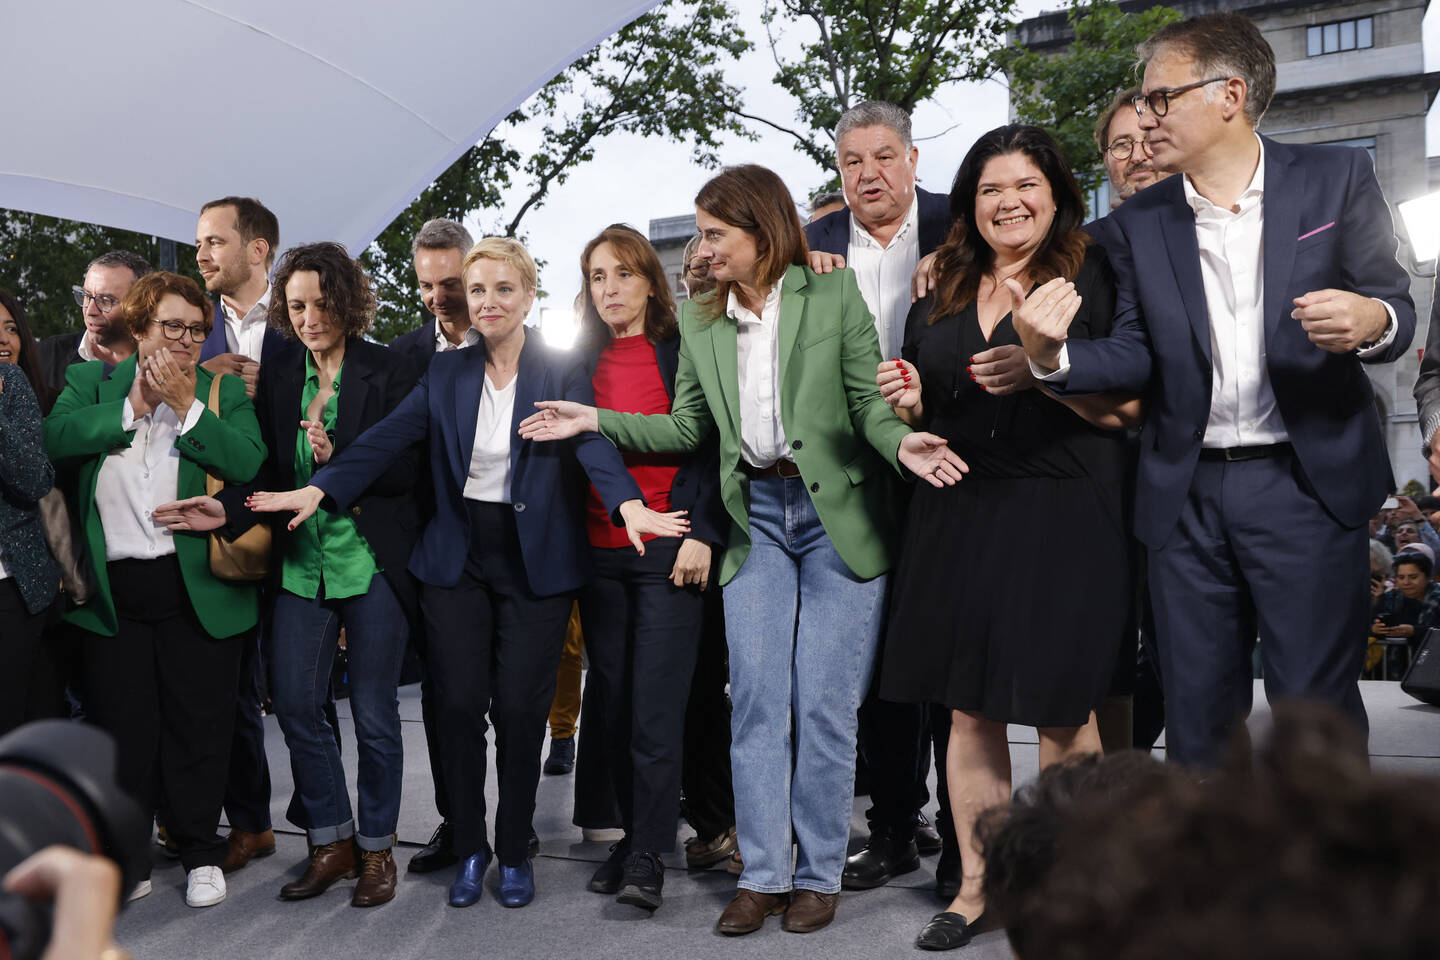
(216, 344)
(547, 485)
(25, 476)
(696, 487)
(373, 382)
(1326, 225)
(57, 355)
(831, 233)
(418, 345)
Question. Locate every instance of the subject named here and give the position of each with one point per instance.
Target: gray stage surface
(566, 920)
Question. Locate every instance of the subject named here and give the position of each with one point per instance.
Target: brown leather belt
(780, 468)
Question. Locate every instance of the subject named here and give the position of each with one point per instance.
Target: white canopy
(335, 113)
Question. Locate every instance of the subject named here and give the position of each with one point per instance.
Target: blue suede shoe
(469, 881)
(517, 884)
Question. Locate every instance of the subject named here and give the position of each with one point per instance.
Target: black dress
(1013, 588)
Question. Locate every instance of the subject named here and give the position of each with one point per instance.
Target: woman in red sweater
(641, 615)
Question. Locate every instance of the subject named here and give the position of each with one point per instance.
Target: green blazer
(84, 427)
(841, 430)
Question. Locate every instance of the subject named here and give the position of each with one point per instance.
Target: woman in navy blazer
(29, 575)
(502, 557)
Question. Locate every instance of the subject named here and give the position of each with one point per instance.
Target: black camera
(57, 785)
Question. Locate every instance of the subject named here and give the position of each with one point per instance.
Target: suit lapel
(120, 380)
(1284, 188)
(469, 385)
(1177, 227)
(531, 384)
(354, 386)
(723, 332)
(792, 315)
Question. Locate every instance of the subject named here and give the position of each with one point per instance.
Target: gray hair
(133, 262)
(875, 113)
(441, 234)
(1380, 557)
(826, 199)
(1221, 44)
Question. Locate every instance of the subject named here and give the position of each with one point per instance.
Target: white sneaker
(204, 887)
(602, 834)
(142, 889)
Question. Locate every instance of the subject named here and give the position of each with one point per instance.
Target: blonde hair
(505, 250)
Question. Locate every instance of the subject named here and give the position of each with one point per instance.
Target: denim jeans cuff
(375, 843)
(762, 888)
(818, 887)
(319, 836)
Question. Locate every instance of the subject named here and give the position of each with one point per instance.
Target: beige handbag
(66, 543)
(247, 557)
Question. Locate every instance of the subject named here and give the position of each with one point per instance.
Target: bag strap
(214, 484)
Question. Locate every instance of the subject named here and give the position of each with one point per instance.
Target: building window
(1342, 35)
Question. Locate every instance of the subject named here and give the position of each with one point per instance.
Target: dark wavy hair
(756, 200)
(29, 360)
(348, 297)
(636, 254)
(964, 258)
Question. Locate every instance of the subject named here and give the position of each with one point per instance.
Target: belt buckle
(786, 469)
(1230, 454)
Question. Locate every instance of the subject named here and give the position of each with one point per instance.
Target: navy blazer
(418, 345)
(546, 484)
(831, 233)
(26, 475)
(696, 487)
(216, 344)
(1326, 225)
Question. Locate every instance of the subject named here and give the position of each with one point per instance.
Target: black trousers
(708, 797)
(247, 788)
(165, 690)
(432, 730)
(493, 645)
(595, 805)
(29, 686)
(642, 633)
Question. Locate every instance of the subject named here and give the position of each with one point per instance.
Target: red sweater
(627, 379)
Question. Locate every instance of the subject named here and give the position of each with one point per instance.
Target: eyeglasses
(103, 301)
(175, 330)
(698, 268)
(1158, 101)
(1121, 148)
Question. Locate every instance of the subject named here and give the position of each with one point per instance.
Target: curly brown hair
(139, 306)
(349, 299)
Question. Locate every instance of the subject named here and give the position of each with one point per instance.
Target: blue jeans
(305, 633)
(803, 630)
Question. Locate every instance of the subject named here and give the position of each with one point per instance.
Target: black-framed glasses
(103, 301)
(1121, 148)
(697, 267)
(175, 330)
(1158, 101)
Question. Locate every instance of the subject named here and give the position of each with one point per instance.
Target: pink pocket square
(1306, 236)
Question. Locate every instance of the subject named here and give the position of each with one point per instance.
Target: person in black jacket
(104, 335)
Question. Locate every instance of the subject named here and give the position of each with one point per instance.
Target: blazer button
(355, 510)
(798, 444)
(1199, 434)
(814, 488)
(519, 508)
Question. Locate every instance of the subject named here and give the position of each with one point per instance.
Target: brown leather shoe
(810, 911)
(328, 863)
(245, 846)
(747, 912)
(377, 879)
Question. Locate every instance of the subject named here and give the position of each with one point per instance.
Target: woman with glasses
(1012, 591)
(161, 651)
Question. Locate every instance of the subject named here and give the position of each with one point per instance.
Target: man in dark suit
(104, 336)
(887, 225)
(1250, 291)
(439, 250)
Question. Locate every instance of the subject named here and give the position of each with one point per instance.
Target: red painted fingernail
(972, 376)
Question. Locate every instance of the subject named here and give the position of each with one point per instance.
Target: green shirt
(325, 556)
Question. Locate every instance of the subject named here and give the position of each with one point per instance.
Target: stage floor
(566, 920)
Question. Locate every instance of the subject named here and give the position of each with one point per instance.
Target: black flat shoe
(946, 931)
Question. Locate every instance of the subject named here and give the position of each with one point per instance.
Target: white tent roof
(335, 113)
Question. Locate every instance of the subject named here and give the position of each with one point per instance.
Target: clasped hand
(1043, 319)
(160, 378)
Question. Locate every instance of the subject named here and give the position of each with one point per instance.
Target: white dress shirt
(489, 478)
(442, 342)
(757, 346)
(883, 273)
(246, 334)
(1243, 411)
(134, 480)
(83, 348)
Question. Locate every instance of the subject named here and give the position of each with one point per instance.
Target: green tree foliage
(41, 258)
(1066, 92)
(903, 51)
(663, 75)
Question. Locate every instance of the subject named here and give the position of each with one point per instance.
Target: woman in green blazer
(781, 362)
(161, 650)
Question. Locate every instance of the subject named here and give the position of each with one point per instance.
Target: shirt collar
(735, 311)
(312, 375)
(910, 223)
(83, 347)
(442, 342)
(1250, 196)
(262, 306)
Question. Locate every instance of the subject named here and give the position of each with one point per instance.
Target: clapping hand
(304, 502)
(171, 380)
(641, 520)
(1043, 319)
(558, 420)
(899, 383)
(930, 458)
(320, 445)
